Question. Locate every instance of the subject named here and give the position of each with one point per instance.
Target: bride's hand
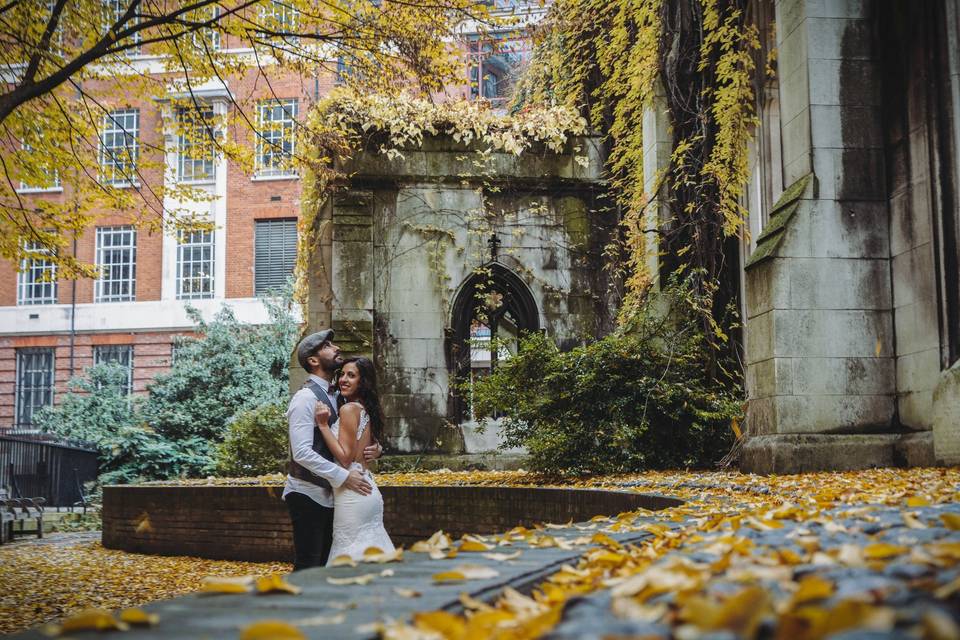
(322, 415)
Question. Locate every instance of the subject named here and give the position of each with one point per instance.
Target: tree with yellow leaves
(72, 70)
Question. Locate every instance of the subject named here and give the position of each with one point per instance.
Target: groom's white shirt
(300, 422)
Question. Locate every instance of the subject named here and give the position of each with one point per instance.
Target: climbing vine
(612, 60)
(347, 122)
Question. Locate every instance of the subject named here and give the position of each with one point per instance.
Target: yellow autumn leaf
(343, 560)
(740, 613)
(466, 572)
(138, 617)
(439, 540)
(473, 544)
(274, 583)
(365, 578)
(912, 522)
(951, 521)
(144, 525)
(240, 584)
(812, 587)
(917, 501)
(949, 550)
(472, 604)
(91, 620)
(271, 630)
(449, 576)
(938, 625)
(605, 540)
(383, 557)
(883, 551)
(446, 624)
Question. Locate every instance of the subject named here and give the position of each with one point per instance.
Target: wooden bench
(14, 510)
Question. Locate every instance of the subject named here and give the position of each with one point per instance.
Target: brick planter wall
(251, 523)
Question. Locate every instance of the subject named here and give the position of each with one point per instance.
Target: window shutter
(275, 253)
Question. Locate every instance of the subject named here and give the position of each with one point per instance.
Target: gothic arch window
(492, 310)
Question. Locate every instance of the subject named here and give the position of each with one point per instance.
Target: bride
(357, 519)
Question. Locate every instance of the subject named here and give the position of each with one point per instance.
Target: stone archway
(492, 308)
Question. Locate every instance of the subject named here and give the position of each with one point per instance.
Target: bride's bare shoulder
(351, 409)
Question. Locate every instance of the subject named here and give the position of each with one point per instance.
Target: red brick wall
(251, 523)
(151, 355)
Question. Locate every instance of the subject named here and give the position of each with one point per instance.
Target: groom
(312, 471)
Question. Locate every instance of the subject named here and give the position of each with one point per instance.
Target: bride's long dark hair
(366, 393)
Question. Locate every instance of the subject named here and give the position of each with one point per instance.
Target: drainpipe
(73, 310)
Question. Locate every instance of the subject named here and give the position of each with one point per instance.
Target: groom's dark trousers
(312, 531)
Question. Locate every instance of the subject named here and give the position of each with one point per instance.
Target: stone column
(657, 147)
(820, 363)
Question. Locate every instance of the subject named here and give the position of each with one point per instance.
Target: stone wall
(406, 234)
(251, 523)
(845, 343)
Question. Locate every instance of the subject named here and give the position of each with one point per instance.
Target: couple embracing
(335, 424)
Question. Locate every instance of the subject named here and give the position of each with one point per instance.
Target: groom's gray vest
(297, 470)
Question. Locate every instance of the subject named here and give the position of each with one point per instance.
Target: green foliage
(97, 411)
(631, 401)
(229, 368)
(226, 369)
(256, 442)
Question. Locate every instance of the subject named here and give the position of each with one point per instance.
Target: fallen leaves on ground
(55, 580)
(787, 557)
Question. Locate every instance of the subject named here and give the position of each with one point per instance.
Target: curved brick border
(251, 522)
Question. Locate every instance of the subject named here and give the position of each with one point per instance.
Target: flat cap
(309, 345)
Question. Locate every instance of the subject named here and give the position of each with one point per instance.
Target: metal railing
(35, 465)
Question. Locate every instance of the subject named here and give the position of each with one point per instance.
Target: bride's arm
(342, 448)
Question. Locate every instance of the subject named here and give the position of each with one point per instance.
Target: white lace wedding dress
(358, 519)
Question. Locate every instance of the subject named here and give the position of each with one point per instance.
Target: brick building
(51, 331)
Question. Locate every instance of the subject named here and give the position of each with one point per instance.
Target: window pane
(119, 147)
(121, 354)
(196, 148)
(34, 383)
(195, 264)
(275, 254)
(117, 261)
(115, 10)
(276, 138)
(37, 280)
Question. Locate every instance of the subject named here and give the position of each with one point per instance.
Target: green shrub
(256, 442)
(97, 411)
(227, 368)
(628, 402)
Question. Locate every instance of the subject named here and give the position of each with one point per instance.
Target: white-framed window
(115, 10)
(117, 262)
(195, 265)
(209, 36)
(120, 147)
(37, 279)
(276, 137)
(121, 354)
(46, 177)
(50, 177)
(34, 389)
(280, 18)
(196, 148)
(275, 254)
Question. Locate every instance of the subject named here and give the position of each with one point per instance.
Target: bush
(226, 369)
(628, 402)
(229, 368)
(256, 442)
(97, 411)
